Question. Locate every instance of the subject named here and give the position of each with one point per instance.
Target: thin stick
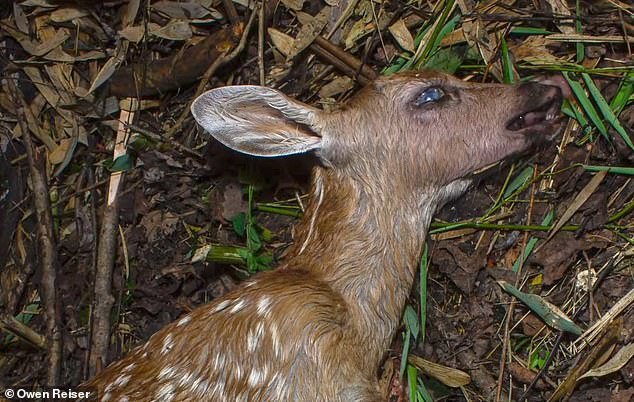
(47, 241)
(261, 21)
(509, 315)
(106, 253)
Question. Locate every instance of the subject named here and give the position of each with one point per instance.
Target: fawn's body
(318, 327)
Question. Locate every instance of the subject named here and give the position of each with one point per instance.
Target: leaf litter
(78, 68)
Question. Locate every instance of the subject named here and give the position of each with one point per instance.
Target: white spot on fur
(167, 372)
(257, 377)
(264, 305)
(199, 387)
(237, 306)
(219, 362)
(166, 392)
(168, 343)
(127, 368)
(184, 320)
(277, 384)
(221, 306)
(186, 379)
(122, 380)
(219, 389)
(124, 398)
(275, 339)
(106, 397)
(254, 337)
(238, 372)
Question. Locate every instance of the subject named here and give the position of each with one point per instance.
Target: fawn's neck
(366, 243)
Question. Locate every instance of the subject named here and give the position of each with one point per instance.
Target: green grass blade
(507, 63)
(530, 31)
(586, 104)
(436, 35)
(412, 375)
(624, 94)
(629, 171)
(424, 266)
(580, 47)
(605, 109)
(532, 243)
(519, 181)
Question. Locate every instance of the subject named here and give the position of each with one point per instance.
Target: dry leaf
(281, 41)
(130, 12)
(39, 3)
(620, 359)
(200, 255)
(402, 35)
(174, 30)
(295, 5)
(357, 31)
(135, 33)
(560, 8)
(579, 200)
(110, 66)
(57, 155)
(449, 376)
(186, 11)
(533, 50)
(68, 14)
(36, 48)
(309, 32)
(303, 18)
(21, 22)
(335, 87)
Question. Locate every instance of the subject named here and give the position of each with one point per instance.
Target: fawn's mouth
(541, 119)
(541, 122)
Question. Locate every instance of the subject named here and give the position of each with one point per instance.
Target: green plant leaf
(121, 164)
(253, 239)
(239, 222)
(519, 181)
(548, 312)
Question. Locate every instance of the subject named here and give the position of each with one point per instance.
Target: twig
(509, 314)
(261, 22)
(158, 138)
(9, 323)
(106, 254)
(47, 243)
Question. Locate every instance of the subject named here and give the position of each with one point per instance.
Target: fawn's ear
(258, 121)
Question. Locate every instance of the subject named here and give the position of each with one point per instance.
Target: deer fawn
(318, 327)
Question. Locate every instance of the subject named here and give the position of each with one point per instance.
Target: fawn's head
(403, 133)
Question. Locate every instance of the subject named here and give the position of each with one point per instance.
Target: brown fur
(317, 328)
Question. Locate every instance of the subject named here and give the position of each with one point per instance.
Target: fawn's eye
(429, 95)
